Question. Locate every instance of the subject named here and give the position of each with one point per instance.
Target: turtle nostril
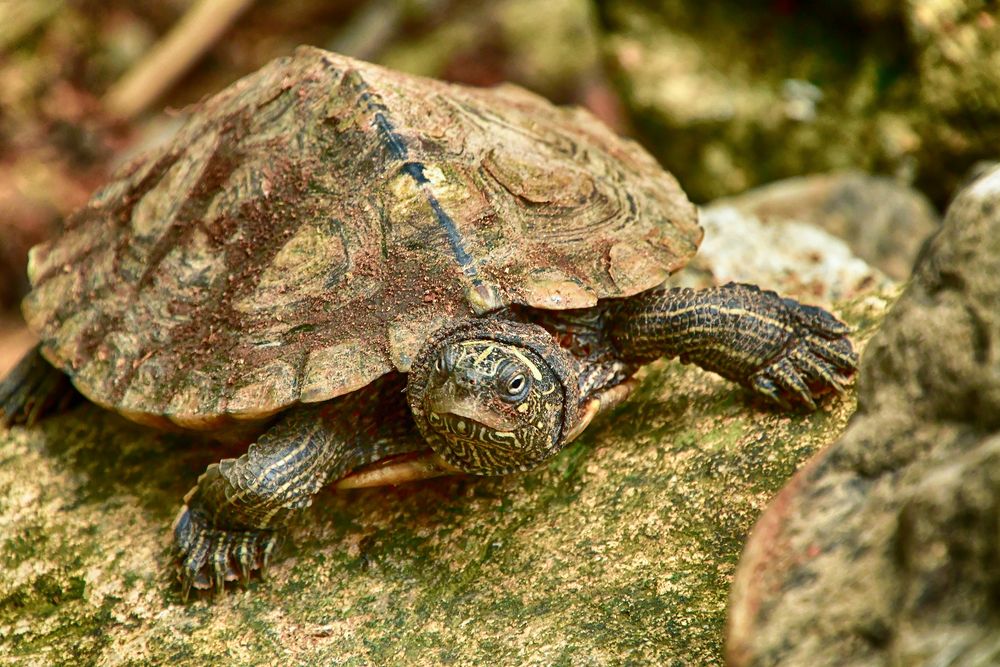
(466, 377)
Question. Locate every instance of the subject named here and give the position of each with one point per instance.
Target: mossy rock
(618, 552)
(730, 95)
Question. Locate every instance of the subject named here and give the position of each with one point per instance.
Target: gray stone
(788, 256)
(884, 221)
(883, 550)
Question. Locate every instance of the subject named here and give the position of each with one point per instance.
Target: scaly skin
(32, 390)
(786, 352)
(232, 519)
(493, 397)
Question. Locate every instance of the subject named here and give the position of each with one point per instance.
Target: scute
(311, 224)
(340, 369)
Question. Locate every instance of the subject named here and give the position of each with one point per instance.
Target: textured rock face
(621, 549)
(791, 256)
(885, 548)
(884, 222)
(808, 236)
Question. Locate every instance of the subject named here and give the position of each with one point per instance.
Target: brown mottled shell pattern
(311, 225)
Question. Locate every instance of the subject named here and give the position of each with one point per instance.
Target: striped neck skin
(490, 407)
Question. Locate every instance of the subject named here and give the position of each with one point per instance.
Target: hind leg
(33, 389)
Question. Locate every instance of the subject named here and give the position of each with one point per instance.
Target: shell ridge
(397, 147)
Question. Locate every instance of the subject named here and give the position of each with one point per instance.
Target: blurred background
(728, 95)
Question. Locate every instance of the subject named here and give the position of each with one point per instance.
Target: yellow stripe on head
(535, 373)
(485, 353)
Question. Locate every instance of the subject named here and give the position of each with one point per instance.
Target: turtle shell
(308, 227)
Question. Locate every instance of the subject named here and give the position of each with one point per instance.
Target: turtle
(371, 277)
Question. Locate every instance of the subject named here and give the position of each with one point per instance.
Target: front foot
(816, 359)
(208, 557)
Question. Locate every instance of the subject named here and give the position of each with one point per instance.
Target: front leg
(231, 520)
(785, 351)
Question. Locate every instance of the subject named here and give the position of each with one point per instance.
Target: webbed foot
(208, 557)
(816, 359)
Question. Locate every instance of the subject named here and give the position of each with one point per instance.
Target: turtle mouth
(476, 447)
(466, 419)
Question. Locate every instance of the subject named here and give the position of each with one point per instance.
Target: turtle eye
(514, 385)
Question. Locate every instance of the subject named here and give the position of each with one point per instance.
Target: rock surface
(884, 550)
(789, 256)
(790, 236)
(883, 221)
(620, 551)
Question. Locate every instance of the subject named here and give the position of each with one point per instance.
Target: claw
(783, 382)
(244, 560)
(789, 379)
(816, 357)
(244, 577)
(33, 389)
(220, 562)
(816, 319)
(837, 352)
(818, 371)
(208, 557)
(265, 559)
(766, 387)
(195, 557)
(219, 591)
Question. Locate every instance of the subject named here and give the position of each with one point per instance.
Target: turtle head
(493, 397)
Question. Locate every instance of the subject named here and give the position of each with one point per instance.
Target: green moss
(729, 95)
(78, 639)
